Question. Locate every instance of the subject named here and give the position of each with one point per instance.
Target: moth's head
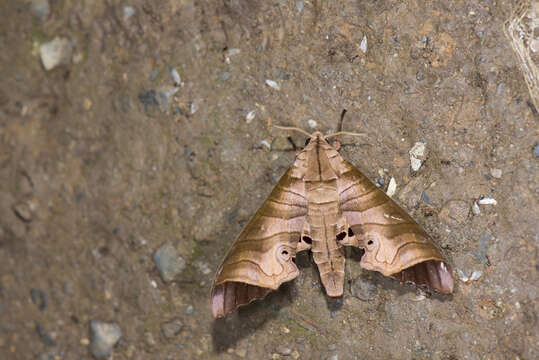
(317, 135)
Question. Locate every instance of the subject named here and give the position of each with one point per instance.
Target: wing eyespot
(284, 254)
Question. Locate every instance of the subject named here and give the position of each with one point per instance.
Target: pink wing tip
(228, 296)
(435, 275)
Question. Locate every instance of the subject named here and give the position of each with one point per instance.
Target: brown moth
(323, 203)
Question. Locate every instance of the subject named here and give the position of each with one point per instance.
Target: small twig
(306, 319)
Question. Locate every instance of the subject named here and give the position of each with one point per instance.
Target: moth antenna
(291, 128)
(344, 133)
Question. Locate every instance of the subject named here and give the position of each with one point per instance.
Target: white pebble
(154, 284)
(363, 45)
(273, 84)
(56, 52)
(194, 107)
(487, 201)
(266, 144)
(312, 123)
(496, 173)
(417, 155)
(467, 277)
(232, 52)
(392, 187)
(476, 274)
(475, 209)
(250, 116)
(464, 277)
(175, 76)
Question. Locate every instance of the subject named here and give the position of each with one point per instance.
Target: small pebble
(312, 123)
(55, 52)
(419, 296)
(193, 107)
(295, 355)
(104, 336)
(171, 328)
(283, 350)
(87, 104)
(476, 274)
(203, 267)
(23, 211)
(475, 209)
(496, 173)
(392, 187)
(250, 116)
(417, 155)
(148, 337)
(190, 310)
(163, 95)
(175, 77)
(465, 276)
(536, 151)
(266, 144)
(272, 84)
(425, 198)
(128, 12)
(168, 262)
(225, 76)
(487, 201)
(299, 6)
(363, 45)
(232, 52)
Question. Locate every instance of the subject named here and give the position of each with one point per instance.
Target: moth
(322, 204)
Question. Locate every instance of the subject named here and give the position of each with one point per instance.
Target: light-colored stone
(56, 52)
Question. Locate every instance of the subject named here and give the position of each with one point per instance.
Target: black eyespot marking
(307, 239)
(341, 236)
(307, 141)
(350, 232)
(370, 242)
(284, 252)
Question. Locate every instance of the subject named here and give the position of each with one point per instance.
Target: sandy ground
(105, 157)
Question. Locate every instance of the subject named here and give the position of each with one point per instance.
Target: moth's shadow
(389, 284)
(227, 331)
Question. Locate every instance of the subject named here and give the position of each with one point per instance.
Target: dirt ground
(101, 163)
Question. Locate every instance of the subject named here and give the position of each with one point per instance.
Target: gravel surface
(136, 142)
